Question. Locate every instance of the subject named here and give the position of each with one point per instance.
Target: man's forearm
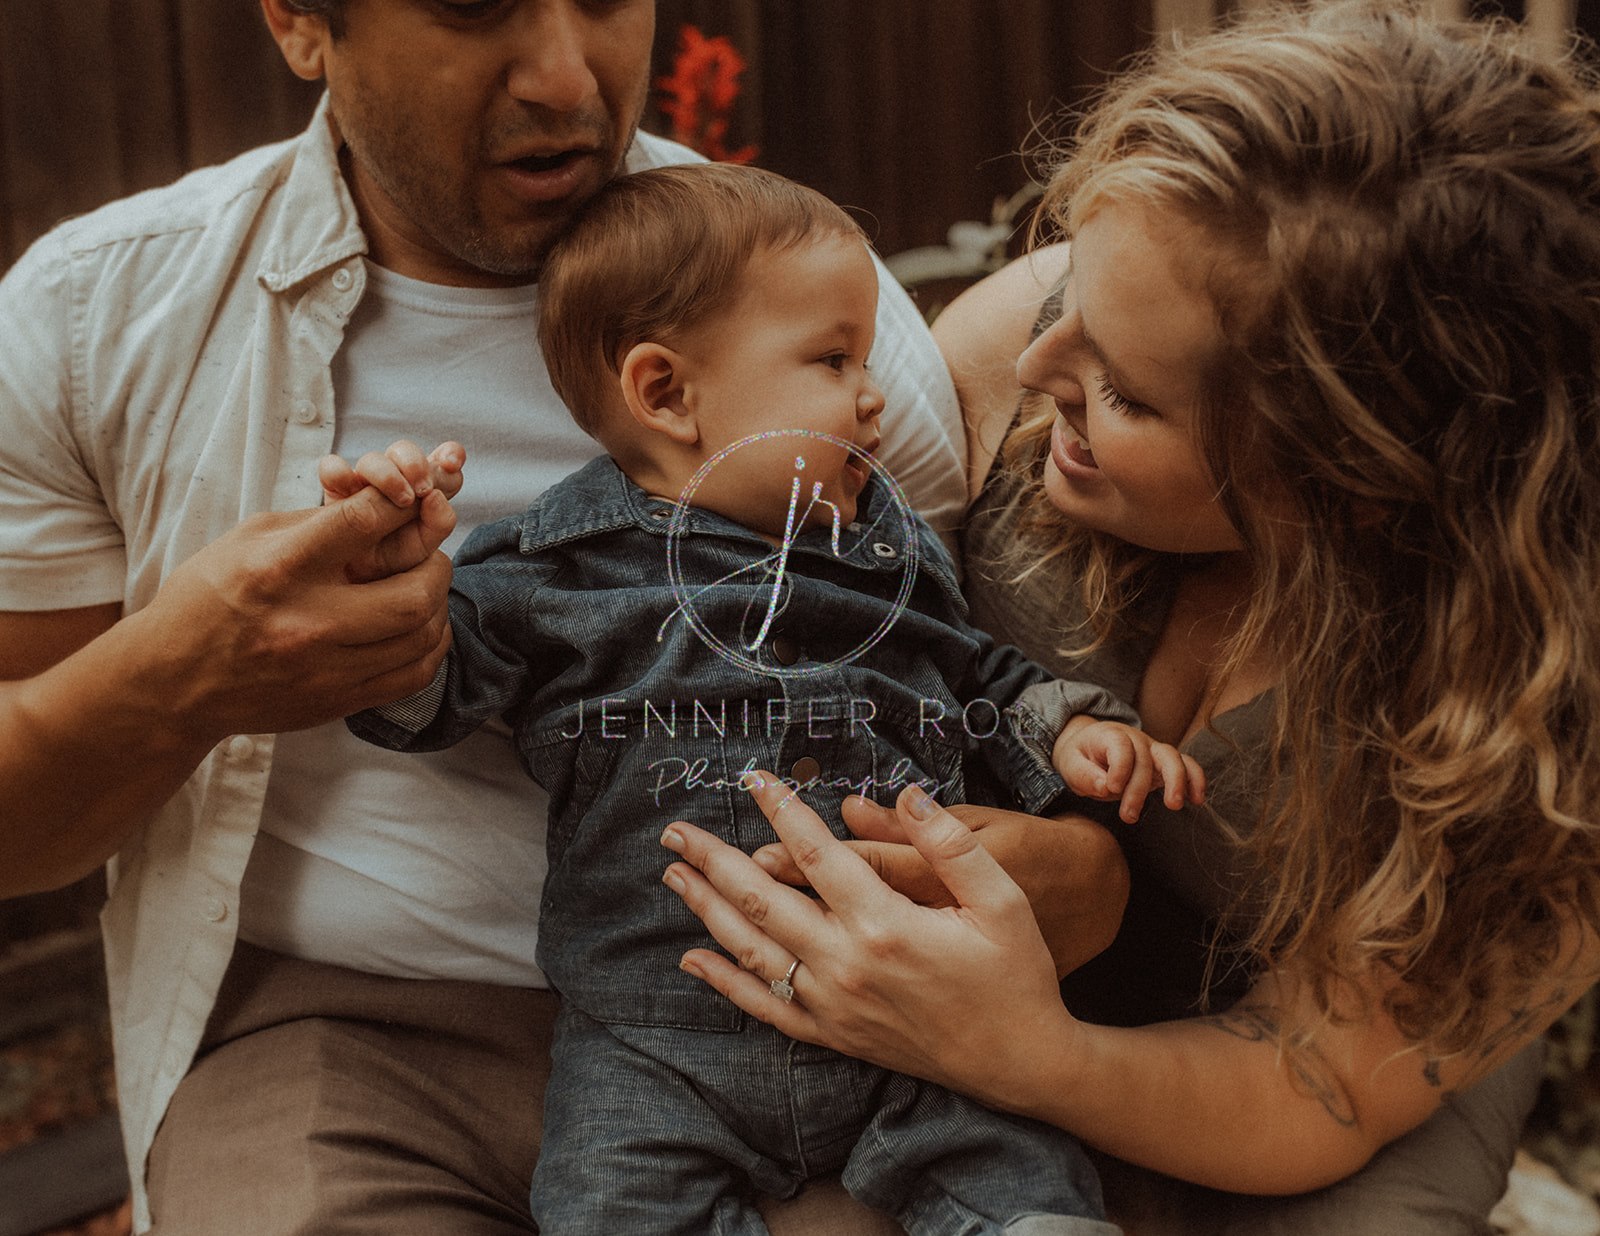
(263, 630)
(88, 750)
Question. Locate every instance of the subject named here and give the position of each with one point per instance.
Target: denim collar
(599, 498)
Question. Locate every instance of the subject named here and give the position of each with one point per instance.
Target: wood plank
(58, 105)
(62, 1178)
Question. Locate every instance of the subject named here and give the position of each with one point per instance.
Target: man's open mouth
(546, 163)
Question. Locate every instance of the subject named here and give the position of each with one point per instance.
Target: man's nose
(550, 53)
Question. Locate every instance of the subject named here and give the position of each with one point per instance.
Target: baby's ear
(653, 388)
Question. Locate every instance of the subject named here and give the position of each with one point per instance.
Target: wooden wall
(906, 108)
(912, 110)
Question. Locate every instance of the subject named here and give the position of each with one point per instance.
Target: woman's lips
(1069, 453)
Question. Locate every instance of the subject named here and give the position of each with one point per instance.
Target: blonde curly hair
(1405, 429)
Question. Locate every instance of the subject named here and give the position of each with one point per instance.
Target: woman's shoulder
(981, 333)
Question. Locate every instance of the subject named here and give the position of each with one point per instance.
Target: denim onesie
(617, 635)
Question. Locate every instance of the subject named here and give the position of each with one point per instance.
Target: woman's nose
(1047, 365)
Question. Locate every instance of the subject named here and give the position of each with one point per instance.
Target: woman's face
(1124, 366)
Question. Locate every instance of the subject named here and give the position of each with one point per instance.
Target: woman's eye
(1115, 399)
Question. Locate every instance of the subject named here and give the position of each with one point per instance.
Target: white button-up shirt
(165, 374)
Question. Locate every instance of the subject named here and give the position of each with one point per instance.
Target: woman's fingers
(842, 877)
(754, 994)
(760, 921)
(872, 822)
(897, 865)
(976, 881)
(868, 821)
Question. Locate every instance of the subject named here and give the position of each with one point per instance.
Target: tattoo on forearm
(1312, 1072)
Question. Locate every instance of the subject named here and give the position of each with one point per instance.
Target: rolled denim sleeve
(500, 653)
(1033, 723)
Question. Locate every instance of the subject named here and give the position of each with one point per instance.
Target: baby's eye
(835, 361)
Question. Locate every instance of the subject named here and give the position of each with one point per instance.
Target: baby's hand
(407, 477)
(403, 474)
(1108, 761)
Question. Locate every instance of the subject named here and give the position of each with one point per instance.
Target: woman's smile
(1071, 454)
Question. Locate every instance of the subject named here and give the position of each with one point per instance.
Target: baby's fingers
(1083, 775)
(375, 468)
(445, 462)
(414, 466)
(1141, 779)
(338, 479)
(1172, 768)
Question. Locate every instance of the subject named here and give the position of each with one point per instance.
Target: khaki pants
(326, 1102)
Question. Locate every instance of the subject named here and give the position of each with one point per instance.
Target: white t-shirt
(352, 865)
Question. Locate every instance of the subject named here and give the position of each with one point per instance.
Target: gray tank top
(1185, 868)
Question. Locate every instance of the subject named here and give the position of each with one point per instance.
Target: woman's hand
(961, 994)
(1070, 868)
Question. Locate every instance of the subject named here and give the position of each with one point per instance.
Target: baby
(736, 585)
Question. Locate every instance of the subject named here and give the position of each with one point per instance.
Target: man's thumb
(342, 531)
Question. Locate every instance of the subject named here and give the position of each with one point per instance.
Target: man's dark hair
(332, 11)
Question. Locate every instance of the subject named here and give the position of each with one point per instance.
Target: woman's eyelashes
(1115, 399)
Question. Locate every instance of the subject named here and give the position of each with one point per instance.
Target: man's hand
(268, 628)
(408, 478)
(294, 619)
(1070, 868)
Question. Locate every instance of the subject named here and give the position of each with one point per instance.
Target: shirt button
(805, 768)
(884, 551)
(661, 512)
(241, 747)
(216, 909)
(305, 412)
(853, 526)
(784, 650)
(342, 279)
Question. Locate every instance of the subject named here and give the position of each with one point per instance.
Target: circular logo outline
(736, 656)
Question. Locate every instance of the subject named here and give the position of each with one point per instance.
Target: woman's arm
(981, 333)
(966, 996)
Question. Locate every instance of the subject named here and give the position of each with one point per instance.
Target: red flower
(700, 92)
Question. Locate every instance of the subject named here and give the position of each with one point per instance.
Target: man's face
(474, 130)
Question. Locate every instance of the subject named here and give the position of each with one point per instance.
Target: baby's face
(790, 353)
